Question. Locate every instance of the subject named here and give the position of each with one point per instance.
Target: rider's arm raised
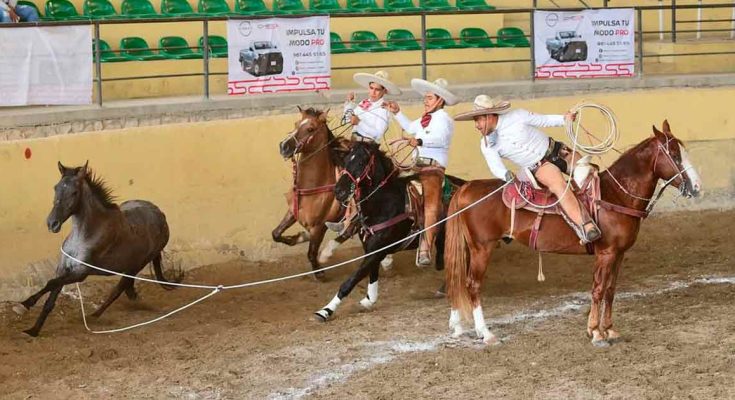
(408, 126)
(542, 121)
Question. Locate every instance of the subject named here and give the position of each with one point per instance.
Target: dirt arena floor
(675, 309)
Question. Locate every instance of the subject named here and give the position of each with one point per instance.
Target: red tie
(425, 119)
(365, 104)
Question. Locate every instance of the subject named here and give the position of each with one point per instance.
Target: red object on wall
(27, 153)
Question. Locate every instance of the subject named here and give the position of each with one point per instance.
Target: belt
(356, 137)
(427, 162)
(549, 152)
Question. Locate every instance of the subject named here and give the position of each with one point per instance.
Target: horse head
(672, 163)
(312, 124)
(67, 196)
(364, 169)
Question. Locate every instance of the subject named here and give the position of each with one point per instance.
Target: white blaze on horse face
(694, 179)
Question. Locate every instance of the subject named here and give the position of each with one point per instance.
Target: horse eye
(311, 129)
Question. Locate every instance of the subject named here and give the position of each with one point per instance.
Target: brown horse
(316, 154)
(627, 188)
(122, 238)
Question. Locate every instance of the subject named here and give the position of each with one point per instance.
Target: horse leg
(611, 334)
(122, 286)
(131, 292)
(286, 223)
(317, 235)
(328, 250)
(371, 297)
(455, 323)
(54, 286)
(439, 264)
(368, 264)
(479, 259)
(603, 264)
(31, 301)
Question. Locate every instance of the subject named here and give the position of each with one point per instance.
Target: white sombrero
(439, 87)
(381, 78)
(484, 105)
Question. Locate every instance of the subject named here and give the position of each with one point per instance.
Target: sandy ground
(675, 309)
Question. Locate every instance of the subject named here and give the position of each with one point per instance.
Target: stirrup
(593, 234)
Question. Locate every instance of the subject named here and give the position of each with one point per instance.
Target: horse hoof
(457, 332)
(613, 336)
(367, 304)
(491, 340)
(439, 294)
(600, 343)
(19, 309)
(31, 332)
(321, 316)
(319, 276)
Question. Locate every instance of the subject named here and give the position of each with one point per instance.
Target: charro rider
(432, 134)
(368, 118)
(513, 134)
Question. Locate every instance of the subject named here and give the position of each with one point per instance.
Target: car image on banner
(597, 43)
(278, 55)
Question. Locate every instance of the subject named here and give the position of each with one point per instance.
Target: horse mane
(631, 151)
(100, 190)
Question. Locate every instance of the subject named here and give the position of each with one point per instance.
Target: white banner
(49, 65)
(278, 55)
(584, 44)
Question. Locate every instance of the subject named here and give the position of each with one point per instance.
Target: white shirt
(373, 121)
(435, 138)
(517, 139)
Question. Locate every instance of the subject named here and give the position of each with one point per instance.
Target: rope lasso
(218, 288)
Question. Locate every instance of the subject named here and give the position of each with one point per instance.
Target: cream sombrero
(438, 87)
(381, 78)
(484, 105)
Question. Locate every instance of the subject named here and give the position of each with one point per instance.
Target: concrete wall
(221, 182)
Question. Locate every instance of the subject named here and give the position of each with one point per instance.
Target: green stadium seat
(61, 10)
(251, 7)
(366, 41)
(436, 5)
(363, 6)
(106, 53)
(474, 5)
(214, 7)
(35, 7)
(217, 46)
(326, 6)
(475, 37)
(138, 9)
(177, 8)
(512, 37)
(99, 9)
(137, 48)
(176, 47)
(289, 7)
(400, 6)
(402, 39)
(338, 46)
(438, 38)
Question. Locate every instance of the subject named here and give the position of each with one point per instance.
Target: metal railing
(424, 63)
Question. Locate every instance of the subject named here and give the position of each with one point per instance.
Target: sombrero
(484, 105)
(438, 87)
(381, 78)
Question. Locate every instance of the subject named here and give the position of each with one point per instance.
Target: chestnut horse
(627, 188)
(316, 154)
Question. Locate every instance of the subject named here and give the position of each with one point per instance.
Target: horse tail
(456, 261)
(159, 272)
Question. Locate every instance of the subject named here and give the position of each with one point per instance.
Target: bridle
(661, 148)
(366, 174)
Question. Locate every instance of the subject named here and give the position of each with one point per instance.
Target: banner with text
(49, 65)
(278, 55)
(584, 44)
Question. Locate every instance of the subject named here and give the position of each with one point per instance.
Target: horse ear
(323, 115)
(660, 135)
(82, 171)
(300, 110)
(62, 168)
(666, 127)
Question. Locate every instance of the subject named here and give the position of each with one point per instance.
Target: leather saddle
(528, 196)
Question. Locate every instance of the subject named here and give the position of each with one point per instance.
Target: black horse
(370, 177)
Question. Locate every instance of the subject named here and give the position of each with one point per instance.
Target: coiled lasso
(605, 144)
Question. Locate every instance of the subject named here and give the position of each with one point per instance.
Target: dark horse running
(370, 177)
(121, 238)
